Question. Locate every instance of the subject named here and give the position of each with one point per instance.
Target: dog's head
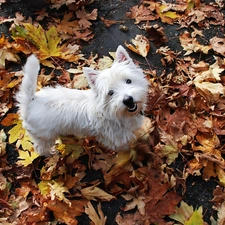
(120, 90)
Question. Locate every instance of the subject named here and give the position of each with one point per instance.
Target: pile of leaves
(185, 121)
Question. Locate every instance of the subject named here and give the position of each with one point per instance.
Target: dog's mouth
(133, 108)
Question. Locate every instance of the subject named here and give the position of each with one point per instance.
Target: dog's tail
(29, 84)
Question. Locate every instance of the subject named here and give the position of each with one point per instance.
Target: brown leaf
(108, 23)
(159, 200)
(10, 119)
(140, 13)
(156, 34)
(93, 193)
(65, 213)
(218, 45)
(85, 17)
(98, 217)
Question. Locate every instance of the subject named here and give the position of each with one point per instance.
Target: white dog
(111, 110)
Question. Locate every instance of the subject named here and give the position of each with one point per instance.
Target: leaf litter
(185, 122)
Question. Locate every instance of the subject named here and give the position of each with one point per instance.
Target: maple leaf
(136, 202)
(159, 202)
(19, 135)
(212, 74)
(168, 148)
(46, 41)
(140, 13)
(71, 53)
(98, 217)
(93, 193)
(140, 45)
(67, 213)
(55, 190)
(169, 55)
(187, 216)
(84, 17)
(192, 45)
(210, 91)
(26, 157)
(66, 25)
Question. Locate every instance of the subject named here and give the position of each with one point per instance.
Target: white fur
(51, 112)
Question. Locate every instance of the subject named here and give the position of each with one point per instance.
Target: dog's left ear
(122, 55)
(91, 75)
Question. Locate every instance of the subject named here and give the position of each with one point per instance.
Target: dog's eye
(111, 92)
(128, 81)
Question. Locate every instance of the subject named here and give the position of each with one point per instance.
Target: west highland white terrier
(111, 110)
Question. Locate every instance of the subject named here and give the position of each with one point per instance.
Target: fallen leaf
(26, 158)
(136, 202)
(98, 217)
(156, 34)
(141, 13)
(218, 45)
(55, 190)
(94, 193)
(165, 15)
(10, 119)
(108, 23)
(85, 17)
(140, 45)
(187, 216)
(67, 213)
(191, 45)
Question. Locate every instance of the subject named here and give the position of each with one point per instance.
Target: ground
(179, 159)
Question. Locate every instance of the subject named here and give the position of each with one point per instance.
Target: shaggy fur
(110, 110)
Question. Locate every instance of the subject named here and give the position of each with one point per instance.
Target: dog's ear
(122, 55)
(91, 75)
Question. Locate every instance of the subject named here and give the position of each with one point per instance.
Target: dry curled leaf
(140, 45)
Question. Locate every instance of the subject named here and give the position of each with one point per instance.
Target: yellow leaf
(54, 189)
(44, 188)
(17, 132)
(53, 40)
(46, 41)
(166, 15)
(26, 157)
(57, 190)
(19, 135)
(221, 175)
(187, 216)
(26, 142)
(196, 218)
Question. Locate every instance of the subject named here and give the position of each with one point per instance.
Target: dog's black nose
(128, 101)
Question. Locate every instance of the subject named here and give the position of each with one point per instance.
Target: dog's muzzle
(129, 102)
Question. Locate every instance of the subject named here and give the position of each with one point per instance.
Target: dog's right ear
(91, 75)
(122, 55)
